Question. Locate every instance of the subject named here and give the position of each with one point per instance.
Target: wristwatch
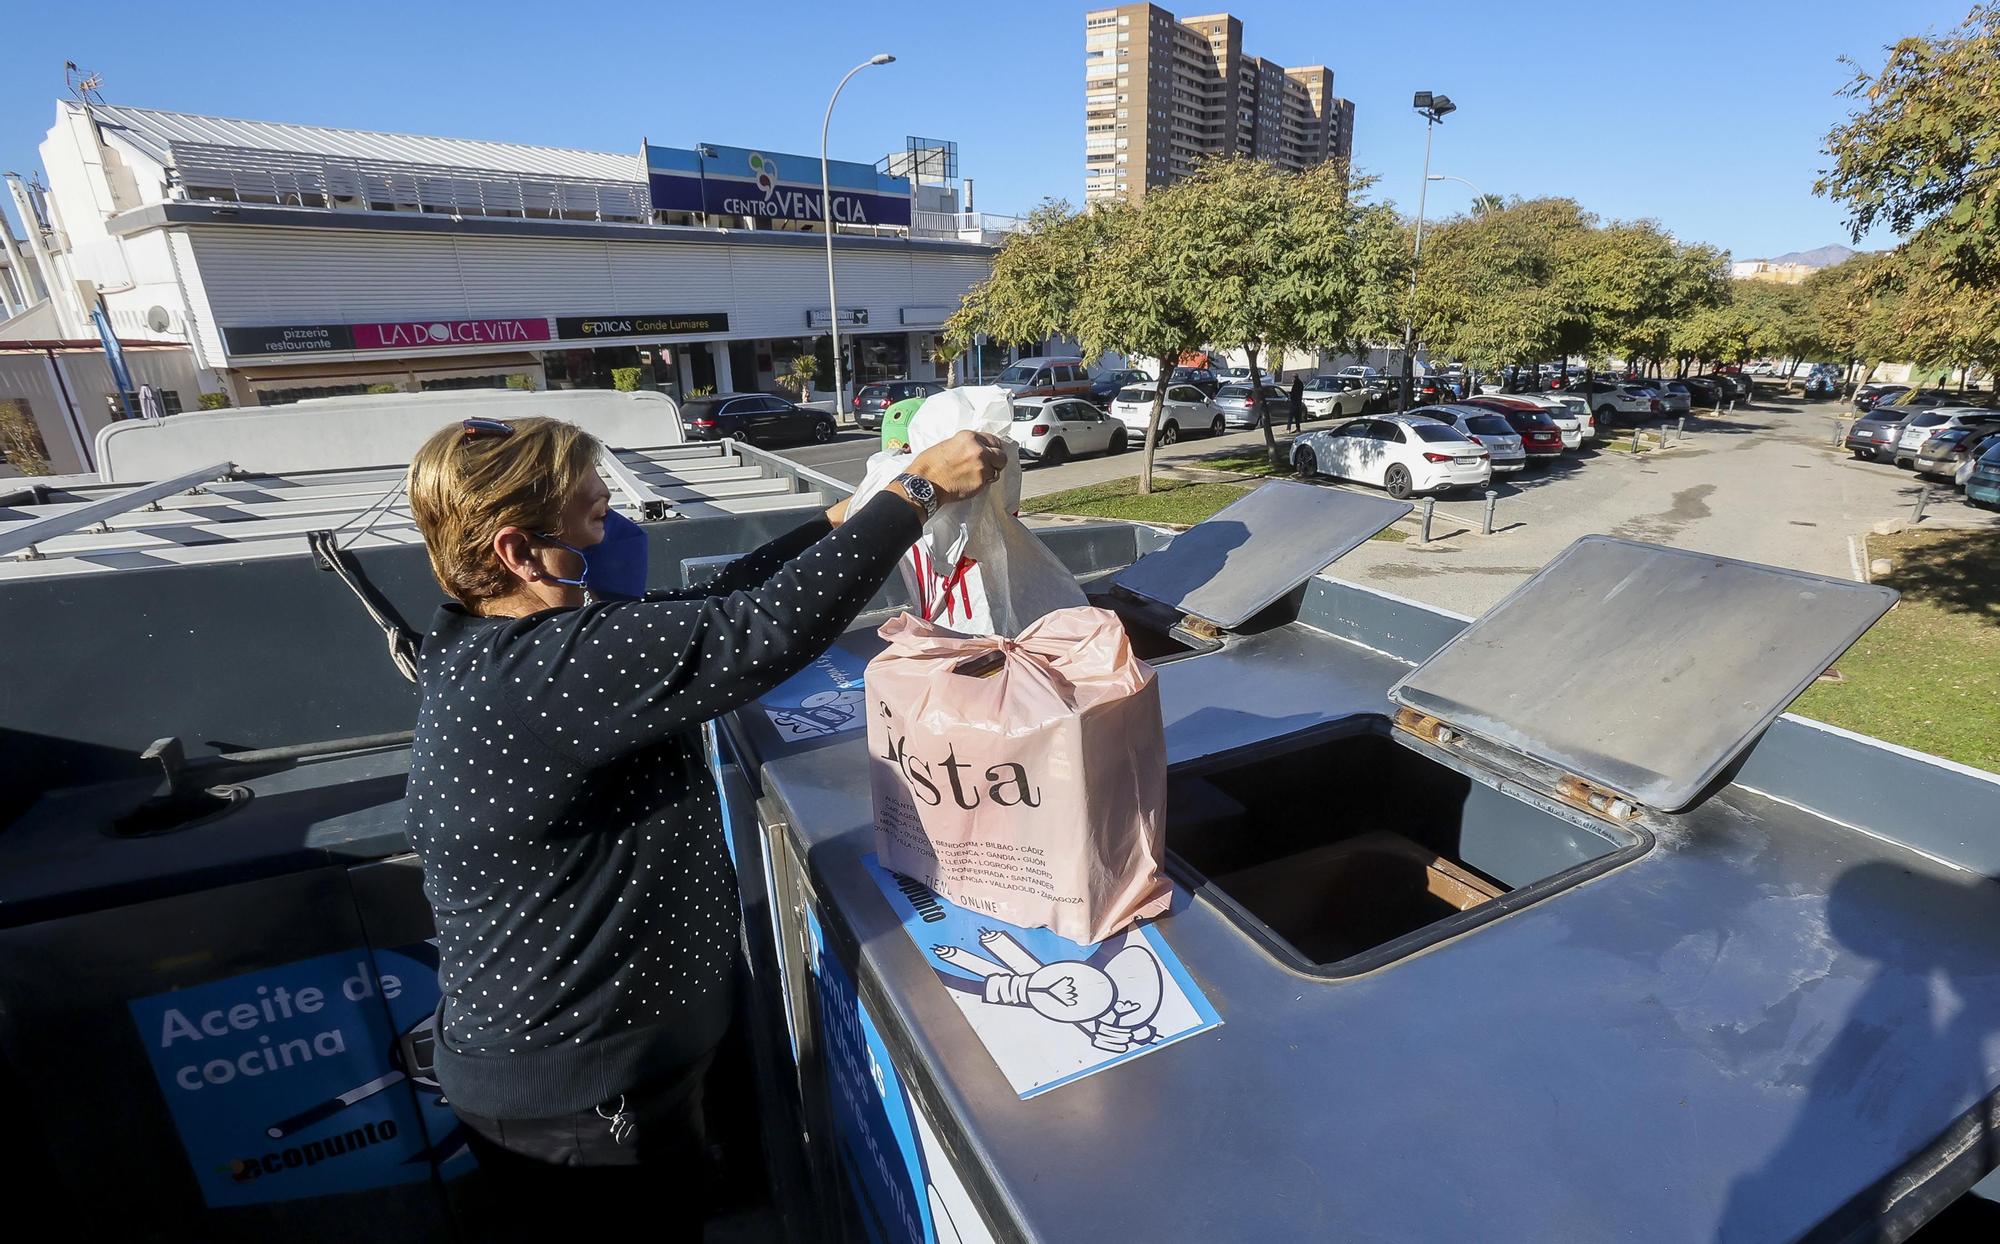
(921, 491)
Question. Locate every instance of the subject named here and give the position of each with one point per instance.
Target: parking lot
(1763, 483)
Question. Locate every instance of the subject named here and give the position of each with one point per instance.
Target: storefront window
(881, 358)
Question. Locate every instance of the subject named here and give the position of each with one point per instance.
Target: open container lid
(1227, 570)
(1687, 658)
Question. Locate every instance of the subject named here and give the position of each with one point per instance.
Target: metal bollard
(1635, 439)
(1430, 507)
(1917, 510)
(1487, 528)
(1837, 421)
(1680, 429)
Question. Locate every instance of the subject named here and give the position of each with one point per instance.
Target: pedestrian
(1298, 403)
(563, 809)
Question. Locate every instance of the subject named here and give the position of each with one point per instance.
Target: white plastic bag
(976, 570)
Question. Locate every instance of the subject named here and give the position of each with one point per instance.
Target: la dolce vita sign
(413, 333)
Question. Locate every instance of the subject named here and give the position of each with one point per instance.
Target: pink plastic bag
(1025, 778)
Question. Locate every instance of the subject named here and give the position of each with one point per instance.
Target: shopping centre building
(298, 261)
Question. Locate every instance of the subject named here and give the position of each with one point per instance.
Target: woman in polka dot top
(568, 826)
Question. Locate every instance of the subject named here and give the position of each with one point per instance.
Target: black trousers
(544, 1179)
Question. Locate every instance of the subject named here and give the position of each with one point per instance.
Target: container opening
(1151, 630)
(1348, 851)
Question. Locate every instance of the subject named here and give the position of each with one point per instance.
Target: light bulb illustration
(1112, 1005)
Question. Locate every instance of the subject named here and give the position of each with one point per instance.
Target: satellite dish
(158, 320)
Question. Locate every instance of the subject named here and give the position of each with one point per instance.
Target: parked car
(1186, 409)
(1921, 425)
(1056, 429)
(1819, 385)
(1610, 399)
(1703, 392)
(1052, 376)
(1741, 387)
(870, 400)
(1105, 385)
(1675, 397)
(1541, 437)
(1202, 378)
(1923, 399)
(1404, 454)
(1945, 452)
(1336, 396)
(1570, 413)
(1868, 395)
(1367, 375)
(1487, 428)
(1982, 483)
(1873, 437)
(1235, 375)
(1240, 407)
(757, 418)
(1432, 391)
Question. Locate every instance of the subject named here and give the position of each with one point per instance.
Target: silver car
(1675, 397)
(1240, 408)
(1483, 427)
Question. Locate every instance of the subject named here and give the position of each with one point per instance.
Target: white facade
(133, 218)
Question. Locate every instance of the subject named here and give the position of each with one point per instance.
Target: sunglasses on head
(476, 428)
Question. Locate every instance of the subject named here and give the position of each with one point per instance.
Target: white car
(1400, 453)
(1336, 396)
(1610, 399)
(1186, 411)
(1570, 414)
(1056, 429)
(1928, 423)
(1366, 375)
(1484, 427)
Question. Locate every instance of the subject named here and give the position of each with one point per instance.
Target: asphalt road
(1762, 484)
(846, 458)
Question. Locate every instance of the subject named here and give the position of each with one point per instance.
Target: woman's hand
(963, 466)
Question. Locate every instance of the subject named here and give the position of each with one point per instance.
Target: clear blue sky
(1706, 116)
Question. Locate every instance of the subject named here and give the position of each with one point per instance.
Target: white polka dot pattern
(568, 825)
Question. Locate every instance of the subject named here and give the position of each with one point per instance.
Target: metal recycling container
(1467, 943)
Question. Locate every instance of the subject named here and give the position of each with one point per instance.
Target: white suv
(1186, 411)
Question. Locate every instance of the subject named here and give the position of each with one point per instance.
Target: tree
(1276, 260)
(805, 367)
(1488, 291)
(1037, 278)
(1853, 307)
(1923, 155)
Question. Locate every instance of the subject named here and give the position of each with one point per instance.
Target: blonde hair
(464, 488)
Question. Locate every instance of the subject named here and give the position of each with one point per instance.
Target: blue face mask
(615, 567)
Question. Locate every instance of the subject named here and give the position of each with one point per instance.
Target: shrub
(625, 379)
(214, 401)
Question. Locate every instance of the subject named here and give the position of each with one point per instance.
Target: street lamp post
(1434, 109)
(1478, 196)
(826, 224)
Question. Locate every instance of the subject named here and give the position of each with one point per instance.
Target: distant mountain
(1819, 257)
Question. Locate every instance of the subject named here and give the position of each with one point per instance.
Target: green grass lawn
(1243, 462)
(1172, 501)
(1928, 675)
(1176, 502)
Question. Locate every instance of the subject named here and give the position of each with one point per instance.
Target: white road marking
(1854, 558)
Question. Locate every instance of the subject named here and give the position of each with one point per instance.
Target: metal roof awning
(1689, 657)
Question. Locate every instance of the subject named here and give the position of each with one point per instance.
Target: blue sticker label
(1047, 1009)
(822, 699)
(304, 1079)
(872, 1119)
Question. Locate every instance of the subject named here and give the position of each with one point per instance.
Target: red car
(1540, 437)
